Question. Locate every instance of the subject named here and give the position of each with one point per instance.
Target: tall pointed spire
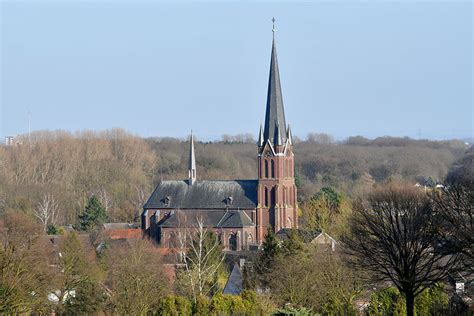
(275, 113)
(192, 162)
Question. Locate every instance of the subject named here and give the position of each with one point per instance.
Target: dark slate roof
(210, 218)
(275, 114)
(204, 194)
(305, 235)
(234, 283)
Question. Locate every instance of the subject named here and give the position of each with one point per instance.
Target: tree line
(60, 170)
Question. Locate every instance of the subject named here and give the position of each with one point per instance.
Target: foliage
(313, 268)
(270, 249)
(332, 197)
(93, 215)
(52, 229)
(138, 282)
(23, 265)
(293, 244)
(389, 301)
(201, 306)
(174, 305)
(327, 210)
(78, 280)
(291, 311)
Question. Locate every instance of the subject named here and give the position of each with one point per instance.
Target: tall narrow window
(288, 166)
(273, 168)
(272, 197)
(266, 196)
(266, 168)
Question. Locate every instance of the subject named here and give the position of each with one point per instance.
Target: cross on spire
(273, 21)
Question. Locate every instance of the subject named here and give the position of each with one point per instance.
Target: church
(239, 211)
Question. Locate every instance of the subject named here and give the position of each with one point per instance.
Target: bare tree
(105, 199)
(47, 211)
(395, 236)
(455, 207)
(203, 257)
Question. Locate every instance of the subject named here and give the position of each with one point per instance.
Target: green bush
(201, 307)
(387, 302)
(250, 301)
(183, 305)
(432, 301)
(167, 306)
(237, 306)
(220, 304)
(52, 230)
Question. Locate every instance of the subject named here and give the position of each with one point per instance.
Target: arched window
(272, 197)
(290, 223)
(288, 166)
(249, 238)
(266, 168)
(266, 196)
(273, 168)
(233, 242)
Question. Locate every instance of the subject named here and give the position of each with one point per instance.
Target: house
(238, 211)
(234, 285)
(315, 237)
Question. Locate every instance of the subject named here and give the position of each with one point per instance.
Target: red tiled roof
(123, 233)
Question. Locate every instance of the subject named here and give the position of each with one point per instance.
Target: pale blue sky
(369, 68)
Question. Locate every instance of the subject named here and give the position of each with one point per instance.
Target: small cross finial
(273, 28)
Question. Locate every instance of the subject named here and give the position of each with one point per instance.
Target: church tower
(277, 204)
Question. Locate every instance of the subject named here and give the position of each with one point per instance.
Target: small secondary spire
(192, 162)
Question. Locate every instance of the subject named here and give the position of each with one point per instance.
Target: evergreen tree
(94, 215)
(270, 246)
(266, 259)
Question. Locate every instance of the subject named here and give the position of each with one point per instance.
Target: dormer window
(167, 200)
(229, 200)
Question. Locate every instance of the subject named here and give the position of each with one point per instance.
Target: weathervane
(273, 28)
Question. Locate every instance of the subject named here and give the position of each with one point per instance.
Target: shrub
(167, 306)
(201, 307)
(220, 304)
(183, 305)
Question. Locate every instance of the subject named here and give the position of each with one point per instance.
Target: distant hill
(122, 169)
